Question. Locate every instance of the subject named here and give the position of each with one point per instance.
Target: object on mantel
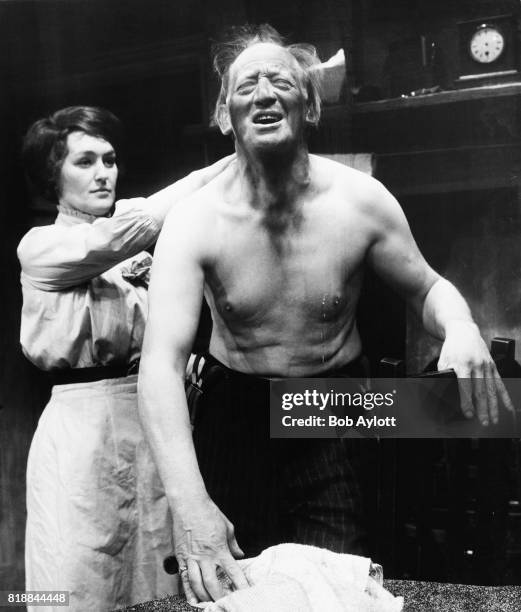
(413, 63)
(424, 91)
(332, 77)
(488, 50)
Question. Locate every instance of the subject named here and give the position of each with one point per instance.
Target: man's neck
(273, 181)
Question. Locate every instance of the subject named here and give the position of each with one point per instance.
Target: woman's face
(88, 175)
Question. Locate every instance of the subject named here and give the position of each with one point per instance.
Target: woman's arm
(160, 203)
(57, 257)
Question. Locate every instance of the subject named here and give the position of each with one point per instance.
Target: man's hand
(479, 381)
(204, 541)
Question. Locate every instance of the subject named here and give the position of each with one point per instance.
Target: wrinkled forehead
(265, 57)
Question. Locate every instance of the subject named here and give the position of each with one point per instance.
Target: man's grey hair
(239, 38)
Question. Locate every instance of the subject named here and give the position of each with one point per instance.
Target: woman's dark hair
(45, 143)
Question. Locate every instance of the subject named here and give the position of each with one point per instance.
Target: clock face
(487, 44)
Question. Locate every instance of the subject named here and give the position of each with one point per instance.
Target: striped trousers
(273, 490)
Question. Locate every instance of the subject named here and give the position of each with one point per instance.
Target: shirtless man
(276, 243)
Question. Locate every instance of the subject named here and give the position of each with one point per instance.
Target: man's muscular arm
(203, 536)
(445, 314)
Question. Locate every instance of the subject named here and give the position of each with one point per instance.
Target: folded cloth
(298, 578)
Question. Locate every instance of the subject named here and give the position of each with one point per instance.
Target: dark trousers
(273, 490)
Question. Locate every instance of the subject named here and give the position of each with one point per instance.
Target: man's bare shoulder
(349, 186)
(198, 209)
(333, 174)
(196, 225)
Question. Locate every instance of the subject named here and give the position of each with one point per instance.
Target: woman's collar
(72, 216)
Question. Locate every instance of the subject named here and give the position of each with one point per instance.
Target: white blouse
(84, 283)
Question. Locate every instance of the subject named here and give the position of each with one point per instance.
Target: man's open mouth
(266, 118)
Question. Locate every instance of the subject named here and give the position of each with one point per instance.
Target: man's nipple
(330, 305)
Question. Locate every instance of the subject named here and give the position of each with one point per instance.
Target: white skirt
(98, 523)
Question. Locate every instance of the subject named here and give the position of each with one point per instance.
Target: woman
(98, 524)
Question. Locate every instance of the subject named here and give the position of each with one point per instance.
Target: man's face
(266, 99)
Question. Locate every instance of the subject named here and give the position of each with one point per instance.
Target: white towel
(297, 578)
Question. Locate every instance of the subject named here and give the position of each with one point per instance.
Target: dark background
(452, 158)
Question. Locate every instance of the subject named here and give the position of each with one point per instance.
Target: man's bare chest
(311, 271)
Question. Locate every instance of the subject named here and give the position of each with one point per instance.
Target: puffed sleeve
(56, 257)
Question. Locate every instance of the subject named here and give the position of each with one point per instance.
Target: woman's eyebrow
(90, 152)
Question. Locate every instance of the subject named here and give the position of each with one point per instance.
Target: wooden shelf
(442, 97)
(433, 99)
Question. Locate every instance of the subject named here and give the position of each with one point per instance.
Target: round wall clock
(487, 44)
